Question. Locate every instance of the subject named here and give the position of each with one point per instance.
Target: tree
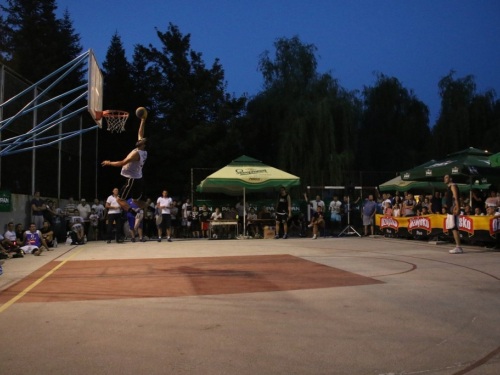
(303, 121)
(194, 115)
(394, 130)
(35, 43)
(452, 130)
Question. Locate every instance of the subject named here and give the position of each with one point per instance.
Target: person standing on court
(453, 211)
(38, 205)
(114, 216)
(132, 169)
(369, 210)
(283, 212)
(164, 204)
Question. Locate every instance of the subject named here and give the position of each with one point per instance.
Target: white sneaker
(314, 237)
(310, 226)
(456, 250)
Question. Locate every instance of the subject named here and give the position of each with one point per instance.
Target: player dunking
(132, 169)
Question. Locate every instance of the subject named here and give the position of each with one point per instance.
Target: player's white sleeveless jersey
(134, 168)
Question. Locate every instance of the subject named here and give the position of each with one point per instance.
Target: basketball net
(115, 120)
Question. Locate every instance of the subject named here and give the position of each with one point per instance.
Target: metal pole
(33, 153)
(2, 86)
(59, 161)
(80, 161)
(96, 160)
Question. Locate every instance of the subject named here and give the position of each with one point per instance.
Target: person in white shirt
(132, 172)
(84, 209)
(217, 215)
(335, 208)
(164, 203)
(114, 216)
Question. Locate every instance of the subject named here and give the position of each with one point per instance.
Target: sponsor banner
(480, 228)
(5, 201)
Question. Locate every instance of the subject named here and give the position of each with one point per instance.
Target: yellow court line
(6, 305)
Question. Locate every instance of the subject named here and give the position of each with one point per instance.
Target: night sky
(417, 42)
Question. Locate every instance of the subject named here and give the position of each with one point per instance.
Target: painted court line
(6, 305)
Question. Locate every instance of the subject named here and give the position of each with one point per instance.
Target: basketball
(141, 112)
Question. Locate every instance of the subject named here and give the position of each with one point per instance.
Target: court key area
(332, 306)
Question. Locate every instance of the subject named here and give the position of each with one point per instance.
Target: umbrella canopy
(466, 165)
(397, 184)
(246, 173)
(495, 160)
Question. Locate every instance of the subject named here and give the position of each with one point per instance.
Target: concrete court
(428, 312)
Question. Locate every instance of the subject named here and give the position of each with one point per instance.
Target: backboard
(95, 90)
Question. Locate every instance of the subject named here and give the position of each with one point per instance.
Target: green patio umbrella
(467, 165)
(246, 173)
(397, 184)
(495, 160)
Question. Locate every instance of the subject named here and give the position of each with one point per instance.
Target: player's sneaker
(315, 237)
(285, 236)
(169, 239)
(143, 239)
(159, 239)
(277, 237)
(132, 239)
(456, 250)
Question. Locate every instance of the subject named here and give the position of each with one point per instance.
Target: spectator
(477, 200)
(135, 222)
(48, 234)
(100, 211)
(315, 203)
(296, 224)
(335, 209)
(187, 208)
(33, 241)
(388, 209)
(93, 233)
(84, 212)
(317, 221)
(492, 200)
(195, 222)
(478, 212)
(231, 215)
(38, 205)
(396, 212)
(19, 233)
(204, 220)
(467, 210)
(253, 228)
(10, 241)
(409, 206)
(70, 208)
(217, 215)
(149, 226)
(368, 213)
(77, 232)
(241, 210)
(114, 217)
(174, 211)
(491, 210)
(165, 204)
(425, 211)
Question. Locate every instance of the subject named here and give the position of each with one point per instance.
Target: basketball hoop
(115, 119)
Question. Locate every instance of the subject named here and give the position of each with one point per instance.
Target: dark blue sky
(418, 42)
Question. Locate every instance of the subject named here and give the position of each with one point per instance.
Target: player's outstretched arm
(140, 134)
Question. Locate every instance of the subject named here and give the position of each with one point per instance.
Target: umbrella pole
(244, 213)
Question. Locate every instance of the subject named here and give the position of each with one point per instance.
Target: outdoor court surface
(296, 306)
